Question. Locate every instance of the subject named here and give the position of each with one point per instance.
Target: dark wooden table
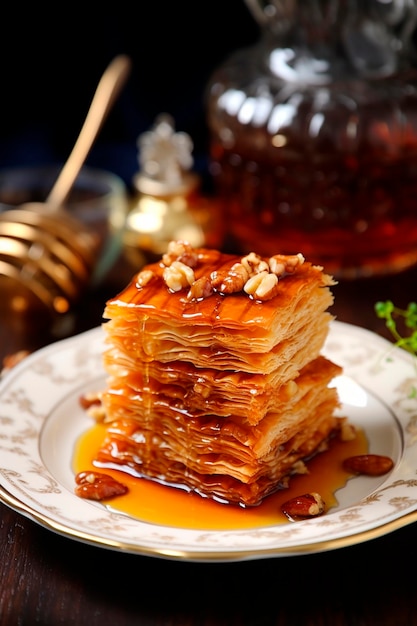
(50, 580)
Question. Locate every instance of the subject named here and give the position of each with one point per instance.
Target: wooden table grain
(49, 580)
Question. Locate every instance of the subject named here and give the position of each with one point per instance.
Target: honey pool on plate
(158, 504)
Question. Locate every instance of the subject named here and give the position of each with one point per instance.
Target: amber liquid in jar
(355, 214)
(313, 135)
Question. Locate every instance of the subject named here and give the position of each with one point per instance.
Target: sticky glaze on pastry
(216, 383)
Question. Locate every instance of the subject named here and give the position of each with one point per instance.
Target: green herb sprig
(406, 337)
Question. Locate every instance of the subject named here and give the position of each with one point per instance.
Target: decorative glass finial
(165, 159)
(168, 204)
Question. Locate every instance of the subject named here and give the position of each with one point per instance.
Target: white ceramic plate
(40, 420)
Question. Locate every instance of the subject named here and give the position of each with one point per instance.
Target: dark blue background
(51, 60)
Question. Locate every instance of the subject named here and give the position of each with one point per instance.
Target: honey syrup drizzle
(162, 505)
(158, 504)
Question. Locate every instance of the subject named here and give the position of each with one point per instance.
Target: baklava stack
(216, 382)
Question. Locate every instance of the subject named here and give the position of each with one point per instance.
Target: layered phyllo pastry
(216, 382)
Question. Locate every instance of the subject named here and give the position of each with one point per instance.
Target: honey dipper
(47, 255)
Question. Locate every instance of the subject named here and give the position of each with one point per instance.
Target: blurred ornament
(168, 204)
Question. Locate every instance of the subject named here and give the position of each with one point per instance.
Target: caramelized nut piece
(368, 464)
(253, 283)
(304, 506)
(178, 275)
(144, 277)
(97, 413)
(201, 288)
(97, 486)
(283, 263)
(262, 286)
(254, 264)
(92, 404)
(180, 251)
(92, 398)
(230, 281)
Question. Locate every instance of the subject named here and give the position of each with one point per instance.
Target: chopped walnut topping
(252, 274)
(144, 277)
(240, 271)
(180, 251)
(262, 286)
(304, 506)
(281, 264)
(97, 413)
(254, 264)
(98, 486)
(253, 283)
(368, 464)
(90, 399)
(201, 288)
(231, 281)
(178, 275)
(92, 403)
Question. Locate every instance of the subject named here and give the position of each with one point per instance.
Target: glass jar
(313, 135)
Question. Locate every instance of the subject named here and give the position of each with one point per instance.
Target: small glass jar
(313, 135)
(167, 203)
